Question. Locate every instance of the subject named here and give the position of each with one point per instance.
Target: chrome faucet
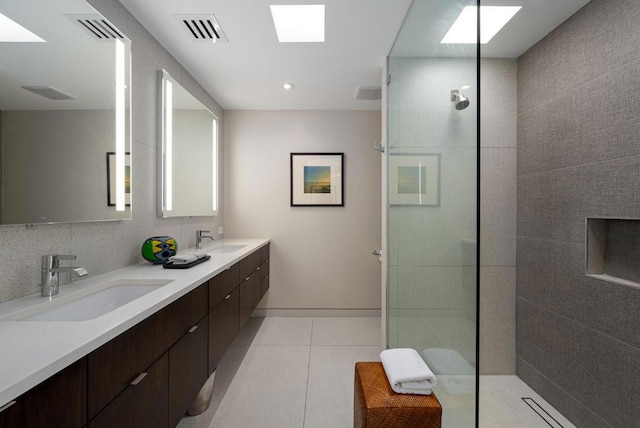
(50, 273)
(200, 235)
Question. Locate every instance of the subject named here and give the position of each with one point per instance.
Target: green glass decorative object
(158, 249)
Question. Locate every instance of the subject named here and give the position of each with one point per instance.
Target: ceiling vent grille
(202, 28)
(98, 27)
(49, 92)
(368, 93)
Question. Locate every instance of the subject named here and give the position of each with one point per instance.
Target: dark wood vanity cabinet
(149, 375)
(264, 268)
(223, 327)
(11, 414)
(233, 295)
(60, 401)
(118, 370)
(251, 285)
(250, 294)
(187, 370)
(143, 403)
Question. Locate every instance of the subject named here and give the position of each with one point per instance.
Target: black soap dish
(171, 265)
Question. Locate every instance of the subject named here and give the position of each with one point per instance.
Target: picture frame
(111, 179)
(317, 179)
(417, 178)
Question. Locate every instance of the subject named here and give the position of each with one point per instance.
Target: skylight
(298, 23)
(492, 19)
(11, 31)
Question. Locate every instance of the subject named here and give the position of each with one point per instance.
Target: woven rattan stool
(376, 405)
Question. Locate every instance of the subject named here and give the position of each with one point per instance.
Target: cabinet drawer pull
(6, 406)
(258, 268)
(247, 278)
(228, 297)
(192, 329)
(139, 378)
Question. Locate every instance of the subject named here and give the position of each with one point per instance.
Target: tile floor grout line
(306, 393)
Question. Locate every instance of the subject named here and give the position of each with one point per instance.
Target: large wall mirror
(188, 161)
(64, 114)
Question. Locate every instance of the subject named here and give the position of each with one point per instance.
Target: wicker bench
(376, 405)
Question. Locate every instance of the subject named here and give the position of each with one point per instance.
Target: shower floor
(505, 402)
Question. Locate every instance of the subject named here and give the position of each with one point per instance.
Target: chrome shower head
(461, 101)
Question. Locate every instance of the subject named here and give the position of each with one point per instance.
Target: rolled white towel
(181, 259)
(407, 372)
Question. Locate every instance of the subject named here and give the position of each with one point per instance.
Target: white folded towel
(407, 372)
(181, 259)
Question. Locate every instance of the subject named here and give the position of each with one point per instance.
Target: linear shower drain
(540, 411)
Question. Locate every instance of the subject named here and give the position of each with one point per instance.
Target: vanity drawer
(144, 403)
(222, 284)
(60, 401)
(187, 370)
(264, 254)
(249, 264)
(116, 363)
(264, 269)
(223, 327)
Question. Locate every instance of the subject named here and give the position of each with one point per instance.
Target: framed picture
(317, 179)
(416, 178)
(111, 179)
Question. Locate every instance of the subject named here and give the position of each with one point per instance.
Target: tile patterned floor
(298, 373)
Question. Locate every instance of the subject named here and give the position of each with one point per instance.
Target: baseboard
(317, 313)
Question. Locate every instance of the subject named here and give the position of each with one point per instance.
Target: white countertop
(33, 351)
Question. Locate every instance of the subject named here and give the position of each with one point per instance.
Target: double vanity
(131, 347)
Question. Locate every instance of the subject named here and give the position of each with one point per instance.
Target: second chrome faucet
(200, 235)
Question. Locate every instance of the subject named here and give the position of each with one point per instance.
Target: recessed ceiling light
(11, 31)
(288, 86)
(298, 23)
(492, 18)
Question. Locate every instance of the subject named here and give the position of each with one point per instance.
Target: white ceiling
(248, 72)
(431, 19)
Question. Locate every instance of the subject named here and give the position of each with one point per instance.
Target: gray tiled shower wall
(579, 156)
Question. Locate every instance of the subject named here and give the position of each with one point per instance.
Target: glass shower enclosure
(431, 168)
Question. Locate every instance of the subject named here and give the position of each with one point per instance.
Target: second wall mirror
(188, 155)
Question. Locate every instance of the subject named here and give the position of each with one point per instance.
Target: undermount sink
(227, 248)
(98, 301)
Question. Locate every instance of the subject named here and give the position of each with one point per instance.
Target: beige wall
(320, 256)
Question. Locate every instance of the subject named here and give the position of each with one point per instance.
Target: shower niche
(613, 250)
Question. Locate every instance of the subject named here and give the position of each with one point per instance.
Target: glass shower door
(432, 209)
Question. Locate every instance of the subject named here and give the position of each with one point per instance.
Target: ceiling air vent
(49, 92)
(202, 28)
(368, 93)
(98, 27)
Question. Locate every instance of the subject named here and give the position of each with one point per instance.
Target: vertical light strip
(120, 125)
(168, 153)
(214, 161)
